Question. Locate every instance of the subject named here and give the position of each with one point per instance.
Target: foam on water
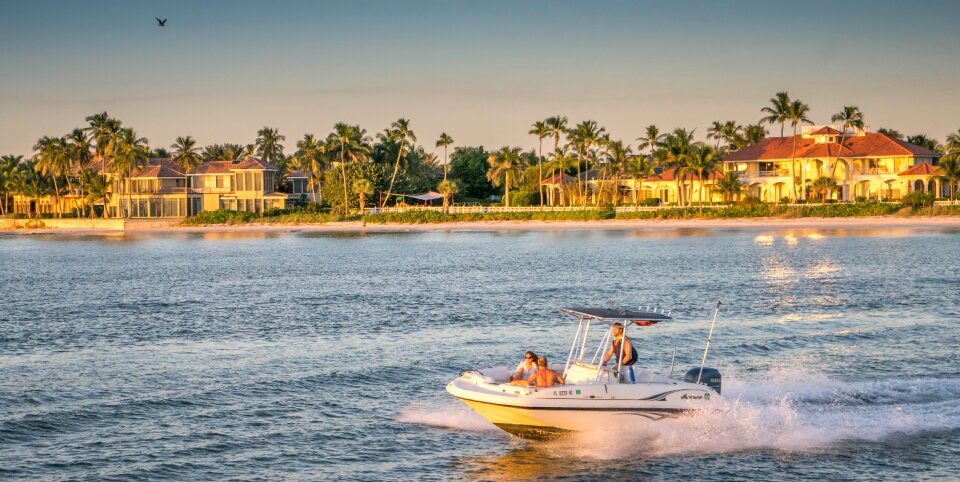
(458, 417)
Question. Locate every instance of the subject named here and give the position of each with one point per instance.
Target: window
(220, 182)
(257, 181)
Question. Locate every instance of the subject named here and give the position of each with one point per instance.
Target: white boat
(594, 397)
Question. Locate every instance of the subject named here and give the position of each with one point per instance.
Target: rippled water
(316, 356)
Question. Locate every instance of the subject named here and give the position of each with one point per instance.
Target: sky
(480, 71)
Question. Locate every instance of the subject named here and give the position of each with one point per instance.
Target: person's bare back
(546, 377)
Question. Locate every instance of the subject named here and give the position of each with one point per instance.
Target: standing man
(629, 353)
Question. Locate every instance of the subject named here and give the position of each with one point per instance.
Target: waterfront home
(871, 165)
(662, 185)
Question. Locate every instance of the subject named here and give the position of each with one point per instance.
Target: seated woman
(525, 369)
(543, 378)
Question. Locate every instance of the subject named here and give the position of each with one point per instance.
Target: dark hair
(531, 355)
(542, 361)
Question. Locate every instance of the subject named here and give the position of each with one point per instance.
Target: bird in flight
(161, 23)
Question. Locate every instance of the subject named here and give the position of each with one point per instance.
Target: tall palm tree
(561, 161)
(51, 159)
(703, 160)
(676, 145)
(796, 115)
(362, 188)
(505, 170)
(952, 145)
(715, 131)
(448, 189)
(187, 154)
(540, 129)
(9, 170)
(584, 136)
(639, 167)
(778, 112)
(80, 154)
(849, 117)
(556, 126)
(312, 160)
(400, 133)
(127, 151)
(617, 156)
(353, 143)
(444, 141)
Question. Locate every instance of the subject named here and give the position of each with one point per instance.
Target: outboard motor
(710, 377)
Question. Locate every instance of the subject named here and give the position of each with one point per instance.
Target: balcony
(774, 173)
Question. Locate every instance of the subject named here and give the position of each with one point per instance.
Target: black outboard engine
(710, 377)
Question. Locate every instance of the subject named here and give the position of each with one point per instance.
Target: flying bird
(161, 23)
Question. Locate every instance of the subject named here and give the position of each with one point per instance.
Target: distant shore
(752, 224)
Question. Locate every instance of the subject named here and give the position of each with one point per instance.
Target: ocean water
(324, 356)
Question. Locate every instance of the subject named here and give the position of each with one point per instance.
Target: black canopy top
(617, 314)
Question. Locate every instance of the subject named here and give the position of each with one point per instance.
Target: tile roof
(295, 175)
(922, 169)
(826, 130)
(225, 167)
(868, 145)
(556, 179)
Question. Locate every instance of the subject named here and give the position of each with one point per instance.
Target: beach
(858, 223)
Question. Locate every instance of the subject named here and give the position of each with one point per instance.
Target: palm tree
(9, 170)
(848, 117)
(353, 143)
(729, 186)
(952, 145)
(51, 159)
(891, 133)
(127, 151)
(617, 157)
(950, 165)
(796, 114)
(561, 161)
(187, 154)
(584, 136)
(540, 130)
(362, 188)
(80, 155)
(268, 145)
(96, 187)
(824, 185)
(715, 131)
(448, 189)
(400, 133)
(924, 141)
(750, 135)
(651, 139)
(778, 112)
(703, 160)
(556, 126)
(676, 146)
(444, 141)
(311, 159)
(639, 167)
(505, 169)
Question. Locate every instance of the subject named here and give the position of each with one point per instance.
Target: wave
(458, 417)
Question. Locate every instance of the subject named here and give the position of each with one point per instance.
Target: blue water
(324, 356)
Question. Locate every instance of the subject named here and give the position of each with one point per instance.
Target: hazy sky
(481, 71)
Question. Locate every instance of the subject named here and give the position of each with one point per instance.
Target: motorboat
(594, 396)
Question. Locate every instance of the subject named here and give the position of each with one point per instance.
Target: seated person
(526, 368)
(544, 377)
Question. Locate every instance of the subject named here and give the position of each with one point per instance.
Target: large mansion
(161, 188)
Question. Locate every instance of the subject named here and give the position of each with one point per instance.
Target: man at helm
(629, 354)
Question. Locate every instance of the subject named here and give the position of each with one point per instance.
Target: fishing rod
(709, 336)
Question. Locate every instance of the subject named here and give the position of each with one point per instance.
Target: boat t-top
(594, 396)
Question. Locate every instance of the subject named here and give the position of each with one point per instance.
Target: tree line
(348, 168)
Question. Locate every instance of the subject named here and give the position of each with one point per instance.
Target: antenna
(709, 336)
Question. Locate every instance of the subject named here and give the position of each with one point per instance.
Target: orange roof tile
(922, 169)
(670, 175)
(826, 130)
(868, 145)
(225, 167)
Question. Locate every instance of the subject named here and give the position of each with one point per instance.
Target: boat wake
(783, 410)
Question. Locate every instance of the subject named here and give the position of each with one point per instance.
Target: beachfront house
(246, 184)
(868, 165)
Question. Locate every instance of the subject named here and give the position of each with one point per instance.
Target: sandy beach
(752, 224)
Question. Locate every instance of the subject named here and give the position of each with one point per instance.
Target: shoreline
(748, 224)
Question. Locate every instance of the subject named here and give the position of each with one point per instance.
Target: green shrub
(525, 198)
(418, 216)
(917, 200)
